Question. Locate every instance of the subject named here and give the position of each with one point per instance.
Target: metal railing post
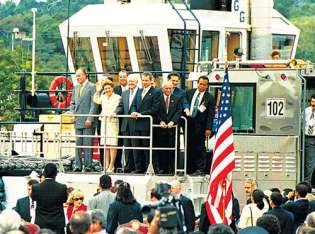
(150, 169)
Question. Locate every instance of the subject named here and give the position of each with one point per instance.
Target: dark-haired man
(286, 218)
(119, 89)
(25, 206)
(50, 196)
(102, 200)
(200, 117)
(146, 103)
(300, 206)
(270, 223)
(309, 118)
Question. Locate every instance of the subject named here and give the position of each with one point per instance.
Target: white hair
(133, 77)
(9, 220)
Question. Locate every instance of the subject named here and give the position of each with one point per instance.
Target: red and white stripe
(219, 198)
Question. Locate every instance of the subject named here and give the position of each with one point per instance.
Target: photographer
(168, 213)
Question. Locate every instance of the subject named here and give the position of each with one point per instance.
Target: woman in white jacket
(254, 210)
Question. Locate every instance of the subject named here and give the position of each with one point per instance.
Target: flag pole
(224, 195)
(223, 182)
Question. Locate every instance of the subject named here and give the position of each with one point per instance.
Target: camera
(171, 215)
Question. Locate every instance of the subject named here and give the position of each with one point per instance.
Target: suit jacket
(203, 120)
(299, 208)
(49, 196)
(189, 212)
(286, 219)
(124, 109)
(120, 213)
(23, 208)
(83, 104)
(182, 95)
(174, 110)
(118, 90)
(146, 106)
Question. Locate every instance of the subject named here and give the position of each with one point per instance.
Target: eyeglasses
(78, 198)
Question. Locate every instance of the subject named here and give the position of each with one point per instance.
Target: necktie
(131, 97)
(310, 127)
(167, 103)
(195, 108)
(80, 90)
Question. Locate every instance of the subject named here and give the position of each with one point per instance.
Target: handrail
(150, 169)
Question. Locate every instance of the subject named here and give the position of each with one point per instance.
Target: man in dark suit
(286, 218)
(174, 79)
(122, 79)
(127, 126)
(25, 206)
(300, 206)
(167, 115)
(82, 103)
(146, 103)
(50, 196)
(189, 211)
(119, 89)
(200, 116)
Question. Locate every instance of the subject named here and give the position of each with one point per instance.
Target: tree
(9, 80)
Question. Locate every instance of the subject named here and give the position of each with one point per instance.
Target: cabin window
(218, 5)
(148, 53)
(243, 105)
(233, 40)
(176, 40)
(209, 45)
(114, 54)
(81, 52)
(284, 44)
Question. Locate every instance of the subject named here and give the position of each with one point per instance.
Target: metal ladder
(185, 49)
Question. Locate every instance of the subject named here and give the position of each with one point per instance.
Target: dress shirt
(132, 94)
(194, 98)
(123, 88)
(32, 210)
(144, 91)
(309, 121)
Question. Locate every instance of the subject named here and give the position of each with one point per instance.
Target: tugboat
(191, 38)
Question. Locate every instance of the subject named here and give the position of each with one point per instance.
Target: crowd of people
(51, 207)
(165, 106)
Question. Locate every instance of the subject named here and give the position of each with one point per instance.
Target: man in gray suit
(82, 103)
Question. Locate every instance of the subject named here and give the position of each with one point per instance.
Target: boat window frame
(192, 50)
(218, 86)
(218, 44)
(74, 57)
(120, 62)
(292, 47)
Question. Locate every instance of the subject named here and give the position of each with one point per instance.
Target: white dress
(109, 106)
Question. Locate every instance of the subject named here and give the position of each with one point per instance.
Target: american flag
(219, 198)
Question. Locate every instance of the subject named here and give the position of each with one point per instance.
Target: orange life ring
(66, 99)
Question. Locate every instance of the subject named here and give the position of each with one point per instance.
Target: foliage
(301, 13)
(9, 80)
